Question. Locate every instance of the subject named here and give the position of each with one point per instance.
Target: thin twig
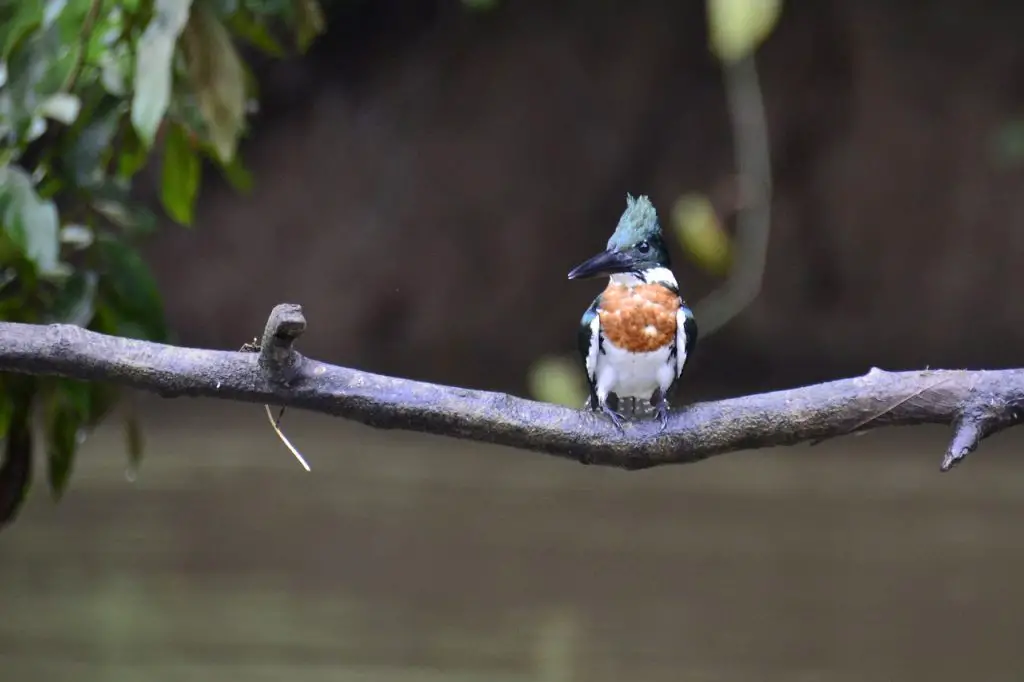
(254, 347)
(275, 424)
(86, 34)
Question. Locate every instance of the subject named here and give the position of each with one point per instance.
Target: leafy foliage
(89, 91)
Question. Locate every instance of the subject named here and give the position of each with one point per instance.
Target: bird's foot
(617, 419)
(662, 411)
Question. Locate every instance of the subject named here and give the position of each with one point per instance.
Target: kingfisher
(637, 335)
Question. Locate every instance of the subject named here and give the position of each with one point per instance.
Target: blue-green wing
(589, 344)
(686, 338)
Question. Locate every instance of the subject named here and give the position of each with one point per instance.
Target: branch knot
(278, 359)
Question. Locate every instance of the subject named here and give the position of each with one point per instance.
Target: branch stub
(278, 359)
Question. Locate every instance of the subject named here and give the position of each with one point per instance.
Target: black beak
(603, 264)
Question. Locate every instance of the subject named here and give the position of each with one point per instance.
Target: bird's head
(635, 246)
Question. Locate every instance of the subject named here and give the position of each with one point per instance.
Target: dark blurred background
(425, 178)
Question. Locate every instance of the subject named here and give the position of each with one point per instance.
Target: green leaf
(6, 410)
(701, 233)
(30, 222)
(61, 106)
(252, 30)
(48, 184)
(130, 6)
(134, 440)
(87, 156)
(218, 80)
(76, 236)
(132, 217)
(52, 10)
(113, 201)
(16, 470)
(309, 19)
(237, 175)
(181, 173)
(153, 66)
(223, 8)
(114, 73)
(39, 68)
(33, 75)
(310, 22)
(110, 53)
(67, 409)
(62, 437)
(557, 380)
(39, 220)
(737, 27)
(37, 126)
(133, 154)
(269, 7)
(76, 302)
(102, 399)
(130, 292)
(28, 15)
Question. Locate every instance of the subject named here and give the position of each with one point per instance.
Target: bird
(637, 335)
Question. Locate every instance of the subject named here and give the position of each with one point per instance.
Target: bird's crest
(638, 222)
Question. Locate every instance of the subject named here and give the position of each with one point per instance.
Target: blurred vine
(90, 91)
(735, 29)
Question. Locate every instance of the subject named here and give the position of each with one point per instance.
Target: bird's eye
(643, 247)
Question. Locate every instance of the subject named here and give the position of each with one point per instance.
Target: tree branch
(976, 403)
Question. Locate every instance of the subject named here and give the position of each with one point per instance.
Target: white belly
(633, 375)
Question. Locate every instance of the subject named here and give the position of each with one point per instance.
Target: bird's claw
(662, 409)
(616, 419)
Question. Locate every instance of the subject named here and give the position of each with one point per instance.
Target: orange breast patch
(638, 319)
